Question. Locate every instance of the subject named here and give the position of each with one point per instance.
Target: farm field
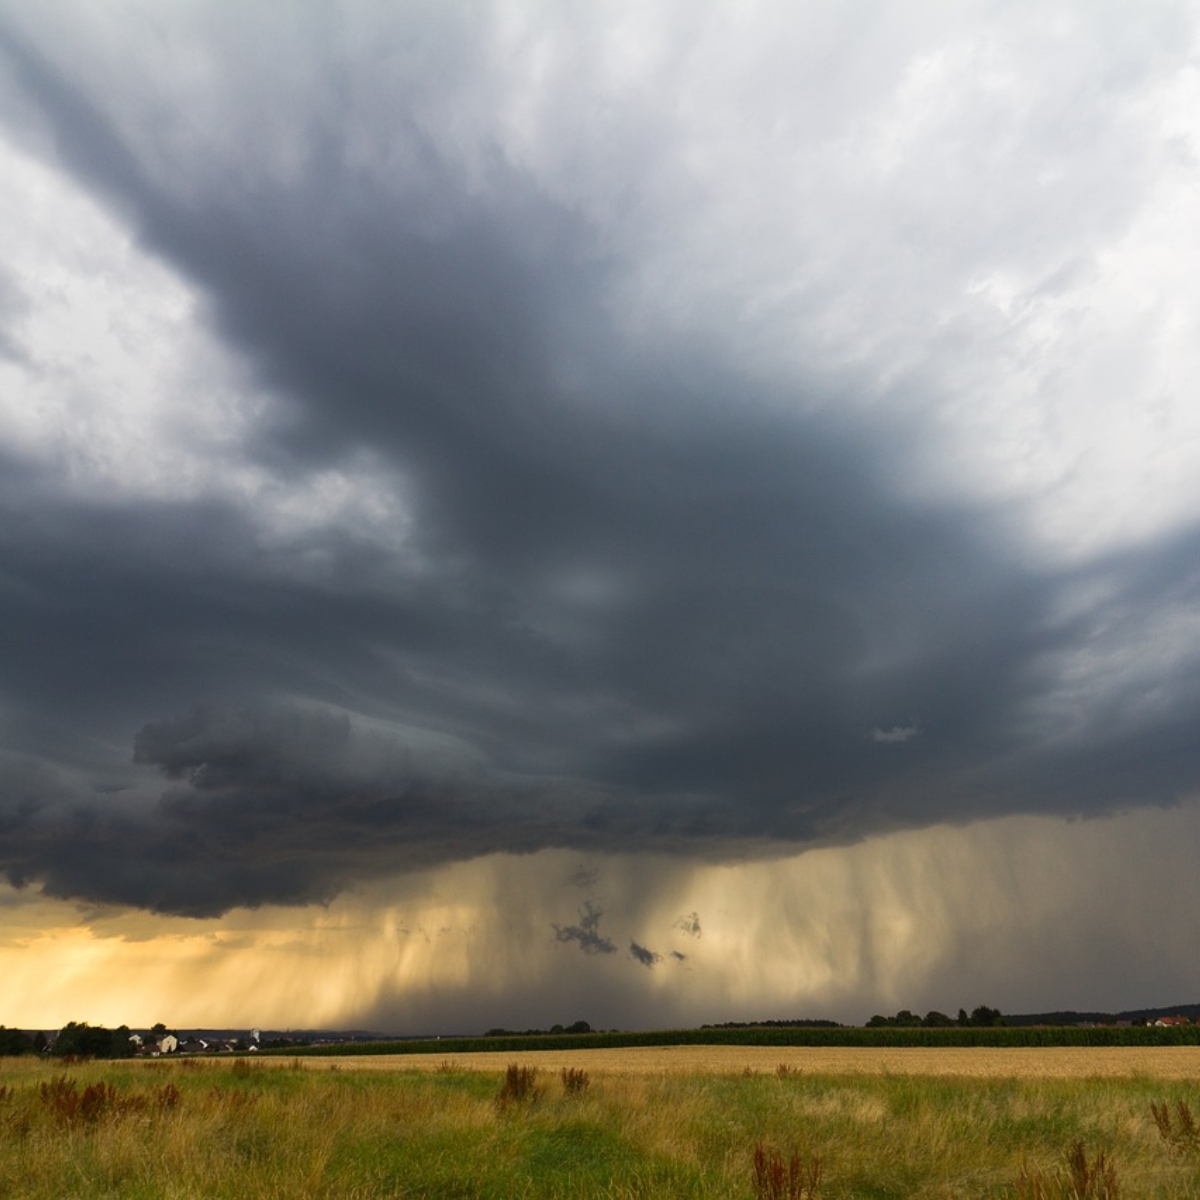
(620, 1124)
(1052, 1062)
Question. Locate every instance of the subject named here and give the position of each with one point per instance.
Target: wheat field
(981, 1062)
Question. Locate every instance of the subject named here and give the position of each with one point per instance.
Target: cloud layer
(427, 435)
(1019, 913)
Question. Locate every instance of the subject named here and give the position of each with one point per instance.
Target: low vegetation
(252, 1128)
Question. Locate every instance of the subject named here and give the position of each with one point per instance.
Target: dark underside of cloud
(644, 602)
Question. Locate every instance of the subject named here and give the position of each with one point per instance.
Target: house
(168, 1044)
(1170, 1021)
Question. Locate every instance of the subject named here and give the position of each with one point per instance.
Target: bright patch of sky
(110, 378)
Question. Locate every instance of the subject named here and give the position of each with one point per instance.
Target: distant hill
(1070, 1017)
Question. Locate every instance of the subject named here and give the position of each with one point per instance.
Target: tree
(986, 1016)
(81, 1040)
(120, 1045)
(14, 1042)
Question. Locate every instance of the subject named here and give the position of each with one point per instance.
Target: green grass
(265, 1130)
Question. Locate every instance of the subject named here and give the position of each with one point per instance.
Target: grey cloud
(897, 735)
(649, 600)
(646, 957)
(586, 934)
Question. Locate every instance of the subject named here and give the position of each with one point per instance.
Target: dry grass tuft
(520, 1087)
(1180, 1134)
(100, 1101)
(775, 1179)
(575, 1081)
(1083, 1180)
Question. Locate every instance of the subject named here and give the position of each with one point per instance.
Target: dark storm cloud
(646, 601)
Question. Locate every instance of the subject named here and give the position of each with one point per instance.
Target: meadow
(691, 1123)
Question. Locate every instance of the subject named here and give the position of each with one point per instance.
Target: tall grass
(218, 1130)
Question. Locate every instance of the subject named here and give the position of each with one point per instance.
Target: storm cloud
(430, 435)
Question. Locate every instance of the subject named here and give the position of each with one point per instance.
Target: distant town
(78, 1039)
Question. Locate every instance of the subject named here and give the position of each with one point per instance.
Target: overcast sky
(669, 508)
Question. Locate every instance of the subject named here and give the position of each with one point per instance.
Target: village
(79, 1040)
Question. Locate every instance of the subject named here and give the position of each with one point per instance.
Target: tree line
(76, 1039)
(980, 1018)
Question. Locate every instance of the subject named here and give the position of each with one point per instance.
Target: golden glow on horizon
(941, 916)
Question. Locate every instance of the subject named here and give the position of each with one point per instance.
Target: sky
(649, 513)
